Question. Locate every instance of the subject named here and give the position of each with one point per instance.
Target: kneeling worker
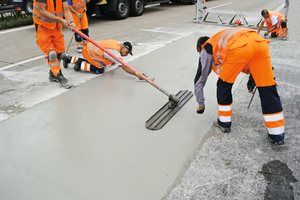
(228, 53)
(96, 60)
(276, 23)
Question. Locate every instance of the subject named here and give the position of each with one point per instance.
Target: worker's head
(126, 48)
(201, 41)
(265, 13)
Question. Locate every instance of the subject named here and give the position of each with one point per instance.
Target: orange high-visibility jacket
(78, 5)
(38, 19)
(221, 43)
(269, 22)
(96, 53)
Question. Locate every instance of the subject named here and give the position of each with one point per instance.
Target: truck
(119, 9)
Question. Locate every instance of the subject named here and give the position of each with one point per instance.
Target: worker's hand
(79, 15)
(87, 1)
(71, 25)
(266, 33)
(251, 84)
(200, 110)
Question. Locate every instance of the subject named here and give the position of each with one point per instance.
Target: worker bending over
(228, 53)
(276, 24)
(95, 60)
(78, 10)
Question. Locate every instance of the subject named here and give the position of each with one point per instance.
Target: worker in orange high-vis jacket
(276, 24)
(95, 60)
(228, 53)
(78, 10)
(49, 16)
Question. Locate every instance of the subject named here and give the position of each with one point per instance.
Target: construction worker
(95, 60)
(276, 24)
(228, 53)
(49, 16)
(78, 10)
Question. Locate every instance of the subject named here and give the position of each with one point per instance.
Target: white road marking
(221, 5)
(20, 63)
(17, 29)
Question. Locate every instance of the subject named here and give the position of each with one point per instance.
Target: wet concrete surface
(91, 142)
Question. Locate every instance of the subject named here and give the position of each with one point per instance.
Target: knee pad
(52, 56)
(78, 38)
(85, 31)
(61, 56)
(283, 24)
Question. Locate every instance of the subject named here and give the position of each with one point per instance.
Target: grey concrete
(90, 142)
(243, 164)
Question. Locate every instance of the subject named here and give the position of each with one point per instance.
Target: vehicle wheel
(122, 9)
(137, 7)
(29, 6)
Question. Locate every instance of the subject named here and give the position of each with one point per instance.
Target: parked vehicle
(119, 9)
(23, 5)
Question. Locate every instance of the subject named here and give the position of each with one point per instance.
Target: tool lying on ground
(169, 109)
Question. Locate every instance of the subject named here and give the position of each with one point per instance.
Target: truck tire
(29, 6)
(137, 7)
(122, 9)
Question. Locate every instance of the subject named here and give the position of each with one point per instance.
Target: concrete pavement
(91, 142)
(243, 164)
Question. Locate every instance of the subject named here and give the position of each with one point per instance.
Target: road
(90, 142)
(21, 58)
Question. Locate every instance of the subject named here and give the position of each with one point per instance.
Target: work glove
(200, 110)
(266, 33)
(79, 15)
(87, 1)
(251, 84)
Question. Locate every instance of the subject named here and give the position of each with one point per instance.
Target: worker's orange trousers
(50, 39)
(250, 54)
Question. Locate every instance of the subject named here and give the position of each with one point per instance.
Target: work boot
(53, 78)
(276, 142)
(223, 129)
(77, 66)
(60, 78)
(66, 61)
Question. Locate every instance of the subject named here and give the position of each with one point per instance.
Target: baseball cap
(128, 46)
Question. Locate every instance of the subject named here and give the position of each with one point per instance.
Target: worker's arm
(68, 16)
(273, 28)
(117, 54)
(204, 69)
(260, 26)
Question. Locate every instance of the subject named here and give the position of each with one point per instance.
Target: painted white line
(221, 5)
(20, 63)
(279, 8)
(158, 31)
(17, 29)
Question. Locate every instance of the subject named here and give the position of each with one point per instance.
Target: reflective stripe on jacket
(38, 19)
(96, 53)
(78, 5)
(221, 42)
